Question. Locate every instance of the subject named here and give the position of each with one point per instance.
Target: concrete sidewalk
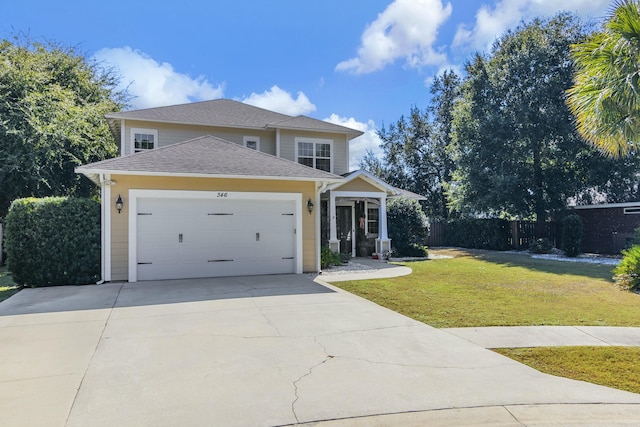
(548, 336)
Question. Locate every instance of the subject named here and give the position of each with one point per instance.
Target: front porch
(354, 215)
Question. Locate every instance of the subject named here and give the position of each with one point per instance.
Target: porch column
(334, 243)
(383, 243)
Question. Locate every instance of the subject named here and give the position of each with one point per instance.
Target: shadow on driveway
(114, 295)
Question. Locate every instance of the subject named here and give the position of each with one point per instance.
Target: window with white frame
(144, 139)
(252, 142)
(373, 219)
(315, 153)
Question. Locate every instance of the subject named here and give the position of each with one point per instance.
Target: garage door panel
(188, 238)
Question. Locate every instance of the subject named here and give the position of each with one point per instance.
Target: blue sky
(358, 63)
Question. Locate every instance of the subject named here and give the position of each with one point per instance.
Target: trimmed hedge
(474, 233)
(572, 235)
(53, 241)
(407, 227)
(627, 273)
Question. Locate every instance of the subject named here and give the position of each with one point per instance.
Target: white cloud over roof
(406, 29)
(154, 84)
(492, 22)
(281, 101)
(359, 146)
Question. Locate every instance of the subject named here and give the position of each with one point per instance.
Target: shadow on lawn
(524, 260)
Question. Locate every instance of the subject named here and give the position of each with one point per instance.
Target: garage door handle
(219, 260)
(289, 257)
(180, 238)
(257, 237)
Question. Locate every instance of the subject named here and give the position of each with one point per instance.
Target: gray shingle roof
(228, 113)
(208, 155)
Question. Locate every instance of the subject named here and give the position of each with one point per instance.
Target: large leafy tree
(606, 96)
(415, 148)
(516, 148)
(52, 106)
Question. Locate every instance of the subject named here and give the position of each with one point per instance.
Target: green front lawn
(483, 288)
(7, 285)
(616, 367)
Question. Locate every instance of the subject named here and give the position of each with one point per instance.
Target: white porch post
(383, 243)
(334, 243)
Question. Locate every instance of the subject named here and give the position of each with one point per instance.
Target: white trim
(346, 143)
(315, 141)
(153, 132)
(368, 177)
(123, 132)
(278, 145)
(318, 246)
(607, 205)
(248, 138)
(87, 172)
(135, 194)
(105, 235)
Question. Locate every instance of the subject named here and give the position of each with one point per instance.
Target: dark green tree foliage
(517, 151)
(416, 157)
(572, 235)
(52, 106)
(407, 226)
(53, 241)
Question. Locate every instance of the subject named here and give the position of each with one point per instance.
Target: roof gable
(207, 156)
(227, 113)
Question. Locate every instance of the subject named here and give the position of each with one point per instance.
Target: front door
(344, 225)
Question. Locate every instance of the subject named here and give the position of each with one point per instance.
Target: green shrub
(53, 241)
(572, 235)
(475, 233)
(627, 273)
(636, 236)
(415, 250)
(328, 258)
(408, 225)
(344, 257)
(541, 246)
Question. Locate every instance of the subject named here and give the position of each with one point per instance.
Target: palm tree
(605, 98)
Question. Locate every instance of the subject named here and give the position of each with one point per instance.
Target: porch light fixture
(119, 203)
(310, 205)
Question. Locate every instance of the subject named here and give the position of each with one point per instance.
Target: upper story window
(252, 142)
(315, 153)
(144, 139)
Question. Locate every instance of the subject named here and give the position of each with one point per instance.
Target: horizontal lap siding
(340, 161)
(173, 133)
(120, 226)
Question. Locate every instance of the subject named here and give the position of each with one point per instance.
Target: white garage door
(190, 238)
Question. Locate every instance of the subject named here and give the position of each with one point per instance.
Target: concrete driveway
(262, 351)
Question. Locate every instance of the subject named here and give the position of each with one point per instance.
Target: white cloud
(276, 99)
(493, 22)
(406, 29)
(154, 84)
(359, 146)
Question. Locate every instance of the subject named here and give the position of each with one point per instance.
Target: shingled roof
(207, 156)
(226, 113)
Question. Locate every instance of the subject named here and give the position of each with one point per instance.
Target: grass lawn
(616, 367)
(7, 286)
(484, 288)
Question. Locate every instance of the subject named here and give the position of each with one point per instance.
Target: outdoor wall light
(119, 203)
(310, 205)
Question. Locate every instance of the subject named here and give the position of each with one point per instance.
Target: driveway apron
(249, 351)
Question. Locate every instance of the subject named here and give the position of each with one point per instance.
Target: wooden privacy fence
(522, 233)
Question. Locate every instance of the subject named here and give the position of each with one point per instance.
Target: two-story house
(222, 188)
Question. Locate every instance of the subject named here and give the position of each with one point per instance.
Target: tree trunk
(539, 208)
